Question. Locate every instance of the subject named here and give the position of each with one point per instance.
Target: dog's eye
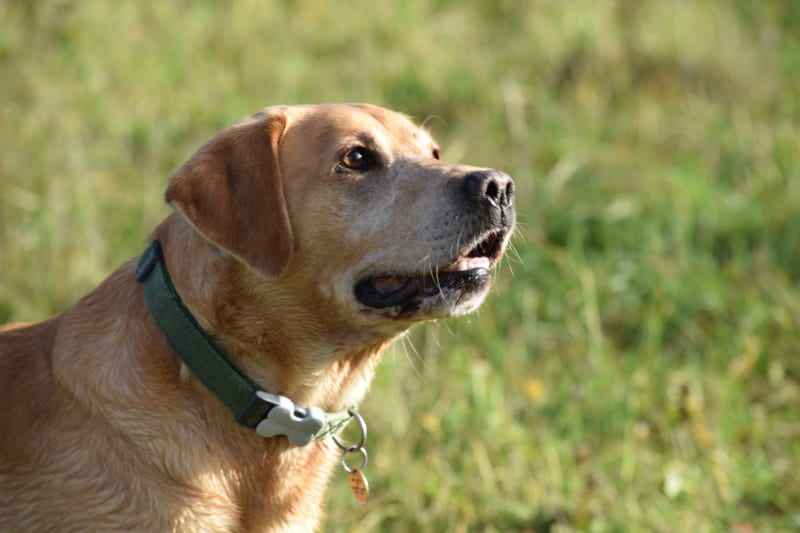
(357, 159)
(437, 154)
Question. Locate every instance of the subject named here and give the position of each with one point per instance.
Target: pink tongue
(468, 263)
(478, 262)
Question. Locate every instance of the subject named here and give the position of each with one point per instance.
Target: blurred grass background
(637, 367)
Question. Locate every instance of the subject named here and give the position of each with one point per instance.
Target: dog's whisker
(409, 349)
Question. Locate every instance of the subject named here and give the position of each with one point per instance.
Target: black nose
(495, 186)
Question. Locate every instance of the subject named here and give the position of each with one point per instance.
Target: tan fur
(101, 425)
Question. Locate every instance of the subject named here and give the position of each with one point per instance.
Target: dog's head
(353, 203)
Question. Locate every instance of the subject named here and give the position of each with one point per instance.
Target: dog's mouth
(467, 273)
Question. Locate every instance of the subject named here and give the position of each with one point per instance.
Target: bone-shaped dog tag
(282, 420)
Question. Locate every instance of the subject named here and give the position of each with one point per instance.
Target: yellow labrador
(196, 388)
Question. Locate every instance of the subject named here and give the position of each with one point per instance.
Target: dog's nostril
(492, 190)
(510, 189)
(491, 184)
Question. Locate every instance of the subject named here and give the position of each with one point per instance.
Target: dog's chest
(269, 491)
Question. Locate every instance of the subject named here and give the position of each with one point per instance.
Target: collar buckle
(257, 408)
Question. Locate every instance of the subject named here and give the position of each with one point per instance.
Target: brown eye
(437, 154)
(357, 159)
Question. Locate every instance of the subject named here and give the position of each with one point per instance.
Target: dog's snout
(494, 185)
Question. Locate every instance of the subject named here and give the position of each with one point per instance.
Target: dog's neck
(304, 351)
(294, 348)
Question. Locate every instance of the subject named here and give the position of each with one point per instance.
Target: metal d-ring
(355, 447)
(363, 461)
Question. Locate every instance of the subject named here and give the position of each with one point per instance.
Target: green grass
(637, 367)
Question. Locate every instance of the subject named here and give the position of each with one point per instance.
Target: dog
(303, 240)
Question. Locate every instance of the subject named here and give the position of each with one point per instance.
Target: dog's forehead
(383, 126)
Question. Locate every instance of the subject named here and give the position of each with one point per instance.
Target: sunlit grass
(636, 368)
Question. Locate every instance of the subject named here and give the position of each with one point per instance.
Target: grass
(637, 366)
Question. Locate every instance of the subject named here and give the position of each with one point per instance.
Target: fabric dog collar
(269, 414)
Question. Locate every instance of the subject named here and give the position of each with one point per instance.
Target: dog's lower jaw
(433, 307)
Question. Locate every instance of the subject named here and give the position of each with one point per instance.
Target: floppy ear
(231, 191)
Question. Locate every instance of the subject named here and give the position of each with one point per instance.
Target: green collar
(269, 414)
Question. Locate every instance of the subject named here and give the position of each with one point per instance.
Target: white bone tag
(282, 420)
